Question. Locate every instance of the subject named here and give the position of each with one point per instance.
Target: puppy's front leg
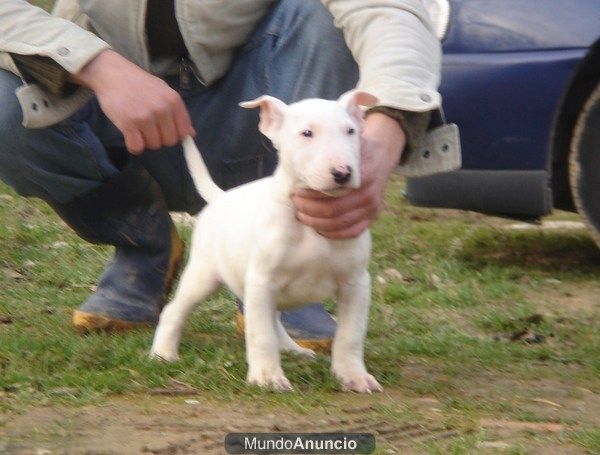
(262, 343)
(348, 344)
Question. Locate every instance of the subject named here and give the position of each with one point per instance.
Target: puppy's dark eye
(307, 133)
(351, 130)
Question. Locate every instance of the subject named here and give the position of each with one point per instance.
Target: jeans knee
(11, 132)
(50, 163)
(312, 19)
(304, 8)
(310, 50)
(10, 114)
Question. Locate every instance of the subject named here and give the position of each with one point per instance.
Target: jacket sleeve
(396, 49)
(44, 71)
(414, 124)
(30, 31)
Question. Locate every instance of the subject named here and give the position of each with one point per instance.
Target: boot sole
(322, 345)
(90, 322)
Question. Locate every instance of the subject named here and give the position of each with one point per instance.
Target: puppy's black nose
(341, 174)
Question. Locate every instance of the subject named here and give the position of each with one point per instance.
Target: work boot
(128, 212)
(312, 327)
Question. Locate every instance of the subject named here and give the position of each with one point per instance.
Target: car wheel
(584, 163)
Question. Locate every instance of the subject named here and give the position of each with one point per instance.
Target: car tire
(584, 164)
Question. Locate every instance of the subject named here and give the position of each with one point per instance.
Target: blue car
(521, 78)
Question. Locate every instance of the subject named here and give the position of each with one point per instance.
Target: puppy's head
(318, 140)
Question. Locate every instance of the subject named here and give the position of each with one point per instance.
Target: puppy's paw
(272, 380)
(164, 355)
(361, 382)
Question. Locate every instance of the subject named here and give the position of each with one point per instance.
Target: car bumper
(515, 193)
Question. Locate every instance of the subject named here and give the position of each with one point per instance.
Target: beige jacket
(392, 40)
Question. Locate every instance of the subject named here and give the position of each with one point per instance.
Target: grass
(445, 313)
(466, 283)
(46, 4)
(588, 438)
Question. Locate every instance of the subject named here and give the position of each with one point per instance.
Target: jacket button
(425, 97)
(62, 51)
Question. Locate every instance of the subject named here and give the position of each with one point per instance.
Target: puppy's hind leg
(287, 343)
(198, 281)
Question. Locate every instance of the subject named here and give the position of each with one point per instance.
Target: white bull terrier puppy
(249, 239)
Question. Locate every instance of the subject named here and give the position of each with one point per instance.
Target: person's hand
(148, 112)
(348, 216)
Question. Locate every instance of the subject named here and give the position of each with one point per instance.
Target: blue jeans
(295, 53)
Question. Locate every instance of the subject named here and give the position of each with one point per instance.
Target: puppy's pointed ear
(272, 112)
(352, 101)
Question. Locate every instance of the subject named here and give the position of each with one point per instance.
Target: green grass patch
(459, 290)
(450, 290)
(589, 438)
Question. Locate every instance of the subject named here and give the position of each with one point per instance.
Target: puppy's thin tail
(204, 183)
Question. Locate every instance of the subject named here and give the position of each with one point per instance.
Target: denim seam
(86, 146)
(256, 42)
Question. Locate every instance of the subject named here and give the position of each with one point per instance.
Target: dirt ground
(483, 414)
(178, 420)
(195, 424)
